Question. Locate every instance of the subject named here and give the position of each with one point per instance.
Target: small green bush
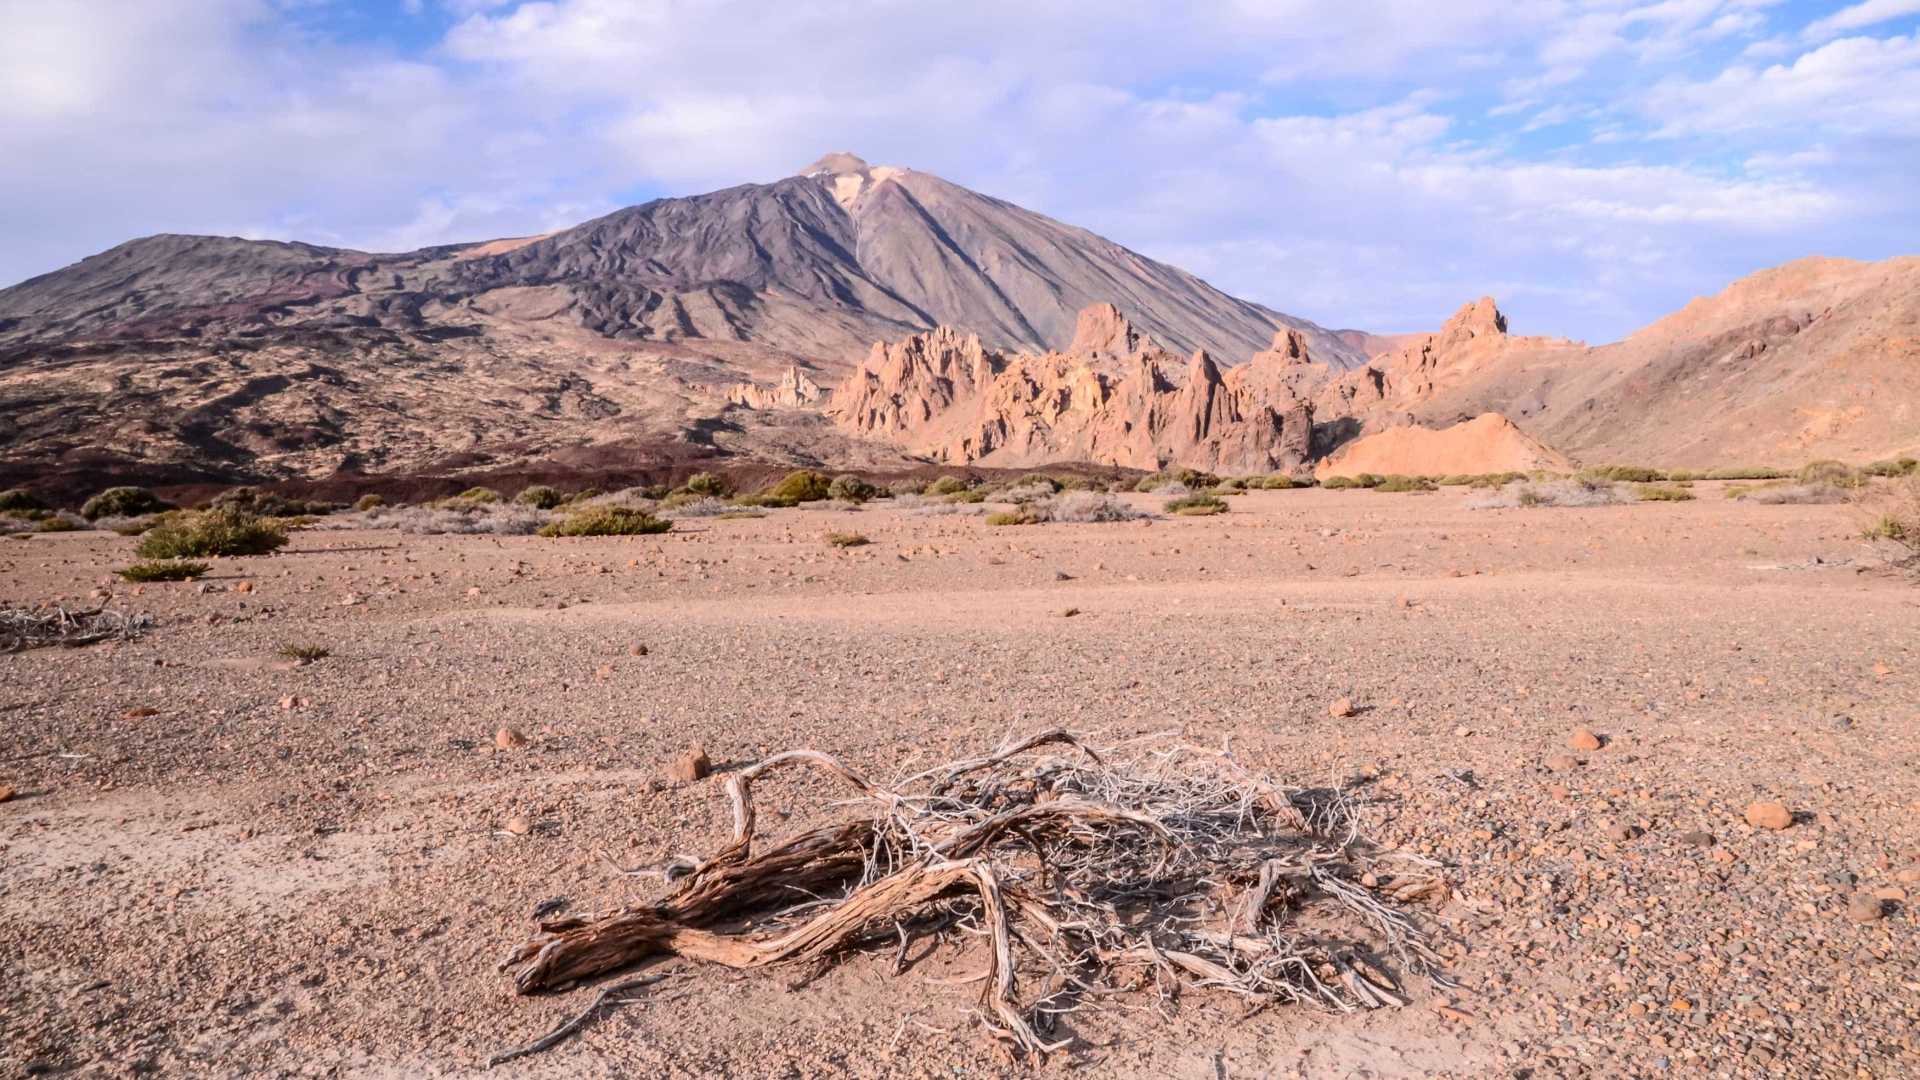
(1404, 483)
(708, 485)
(847, 540)
(479, 495)
(540, 497)
(369, 501)
(945, 485)
(607, 521)
(1008, 517)
(19, 499)
(211, 532)
(801, 485)
(850, 488)
(160, 570)
(1339, 483)
(1278, 482)
(53, 523)
(122, 502)
(1832, 473)
(1197, 505)
(1662, 493)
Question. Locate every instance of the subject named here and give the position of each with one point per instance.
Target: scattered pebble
(509, 739)
(1341, 708)
(1583, 739)
(1769, 815)
(691, 766)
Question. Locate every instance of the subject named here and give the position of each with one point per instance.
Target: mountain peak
(838, 163)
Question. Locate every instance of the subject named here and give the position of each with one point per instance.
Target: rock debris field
(1663, 753)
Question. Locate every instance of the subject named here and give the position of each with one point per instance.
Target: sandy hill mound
(1488, 443)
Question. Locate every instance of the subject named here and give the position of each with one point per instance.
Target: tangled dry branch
(33, 628)
(1155, 867)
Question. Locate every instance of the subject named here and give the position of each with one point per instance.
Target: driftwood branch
(1082, 874)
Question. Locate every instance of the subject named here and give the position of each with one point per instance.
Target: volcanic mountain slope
(1819, 358)
(220, 357)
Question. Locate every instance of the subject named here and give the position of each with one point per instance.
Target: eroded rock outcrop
(1114, 397)
(794, 391)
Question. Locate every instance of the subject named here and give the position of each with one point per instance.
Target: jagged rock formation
(1488, 443)
(1112, 397)
(794, 391)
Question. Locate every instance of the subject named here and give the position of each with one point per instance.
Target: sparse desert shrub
(1404, 483)
(1567, 493)
(1896, 514)
(370, 501)
(1231, 484)
(1885, 527)
(304, 654)
(1625, 474)
(908, 486)
(129, 526)
(1744, 472)
(847, 540)
(1661, 493)
(801, 485)
(739, 515)
(1833, 473)
(945, 485)
(850, 488)
(250, 500)
(479, 495)
(1196, 479)
(700, 506)
(122, 502)
(1905, 466)
(19, 499)
(463, 519)
(971, 495)
(1028, 489)
(540, 497)
(59, 521)
(1782, 493)
(1339, 483)
(607, 521)
(211, 532)
(163, 570)
(1197, 505)
(1009, 517)
(709, 485)
(1278, 482)
(1077, 507)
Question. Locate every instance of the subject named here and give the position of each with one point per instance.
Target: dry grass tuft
(34, 628)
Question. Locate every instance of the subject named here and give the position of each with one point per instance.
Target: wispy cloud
(1371, 164)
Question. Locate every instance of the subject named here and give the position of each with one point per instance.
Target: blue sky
(1593, 164)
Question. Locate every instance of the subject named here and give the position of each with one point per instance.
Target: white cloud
(1860, 16)
(1858, 86)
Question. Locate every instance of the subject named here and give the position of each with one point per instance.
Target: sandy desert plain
(221, 862)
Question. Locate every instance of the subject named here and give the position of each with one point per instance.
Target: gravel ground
(217, 862)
